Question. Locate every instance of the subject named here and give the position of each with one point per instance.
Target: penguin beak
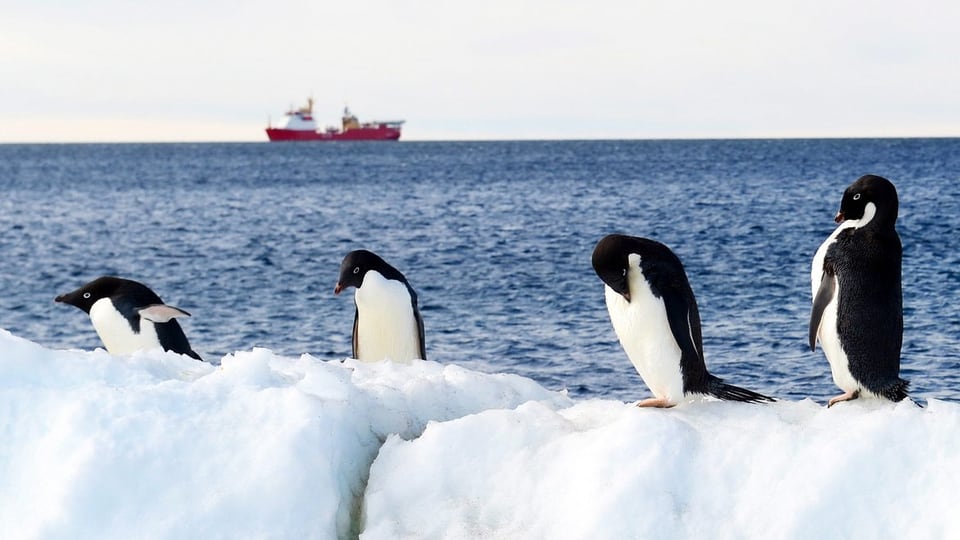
(337, 288)
(623, 290)
(59, 299)
(839, 217)
(623, 287)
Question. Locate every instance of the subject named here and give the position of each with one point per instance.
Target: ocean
(496, 238)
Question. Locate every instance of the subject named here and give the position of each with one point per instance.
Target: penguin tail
(895, 391)
(728, 392)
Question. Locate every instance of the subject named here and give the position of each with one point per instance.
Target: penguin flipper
(686, 335)
(420, 335)
(828, 286)
(728, 392)
(356, 340)
(173, 339)
(684, 320)
(161, 313)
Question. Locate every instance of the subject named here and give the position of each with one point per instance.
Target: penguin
(387, 322)
(655, 317)
(857, 312)
(129, 317)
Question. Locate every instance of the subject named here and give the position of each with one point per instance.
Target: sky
(183, 70)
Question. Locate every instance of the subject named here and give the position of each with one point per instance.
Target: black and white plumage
(387, 322)
(129, 317)
(655, 317)
(855, 280)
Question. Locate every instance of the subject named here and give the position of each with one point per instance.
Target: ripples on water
(496, 237)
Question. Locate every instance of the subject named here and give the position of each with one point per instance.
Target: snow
(602, 469)
(157, 445)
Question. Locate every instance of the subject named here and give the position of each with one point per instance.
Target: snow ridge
(157, 445)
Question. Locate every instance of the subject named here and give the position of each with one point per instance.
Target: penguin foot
(660, 403)
(849, 396)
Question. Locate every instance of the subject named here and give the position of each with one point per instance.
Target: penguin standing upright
(655, 317)
(129, 317)
(857, 299)
(387, 322)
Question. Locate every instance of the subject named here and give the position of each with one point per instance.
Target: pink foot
(660, 403)
(849, 396)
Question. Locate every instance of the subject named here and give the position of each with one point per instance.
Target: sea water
(496, 238)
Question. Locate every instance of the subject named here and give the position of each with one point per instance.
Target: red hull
(378, 133)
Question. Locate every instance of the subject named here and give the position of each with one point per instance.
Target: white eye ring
(856, 197)
(86, 295)
(624, 271)
(356, 270)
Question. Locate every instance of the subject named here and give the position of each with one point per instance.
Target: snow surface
(157, 445)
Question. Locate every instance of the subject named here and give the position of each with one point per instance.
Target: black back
(866, 263)
(355, 266)
(128, 297)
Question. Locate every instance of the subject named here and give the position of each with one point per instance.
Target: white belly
(642, 328)
(833, 350)
(115, 332)
(386, 327)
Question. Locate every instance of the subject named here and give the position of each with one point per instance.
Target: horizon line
(493, 139)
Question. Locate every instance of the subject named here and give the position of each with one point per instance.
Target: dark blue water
(495, 236)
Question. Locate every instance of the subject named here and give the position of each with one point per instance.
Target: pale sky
(189, 70)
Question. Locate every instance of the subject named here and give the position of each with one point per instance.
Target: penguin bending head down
(857, 300)
(129, 317)
(655, 317)
(387, 322)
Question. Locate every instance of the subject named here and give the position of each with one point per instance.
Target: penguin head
(84, 297)
(871, 196)
(356, 265)
(611, 263)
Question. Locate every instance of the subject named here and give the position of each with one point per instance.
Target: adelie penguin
(387, 322)
(129, 317)
(655, 317)
(857, 301)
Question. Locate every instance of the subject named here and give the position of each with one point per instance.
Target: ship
(300, 126)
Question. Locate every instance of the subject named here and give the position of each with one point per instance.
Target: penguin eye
(856, 197)
(356, 270)
(86, 295)
(624, 272)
